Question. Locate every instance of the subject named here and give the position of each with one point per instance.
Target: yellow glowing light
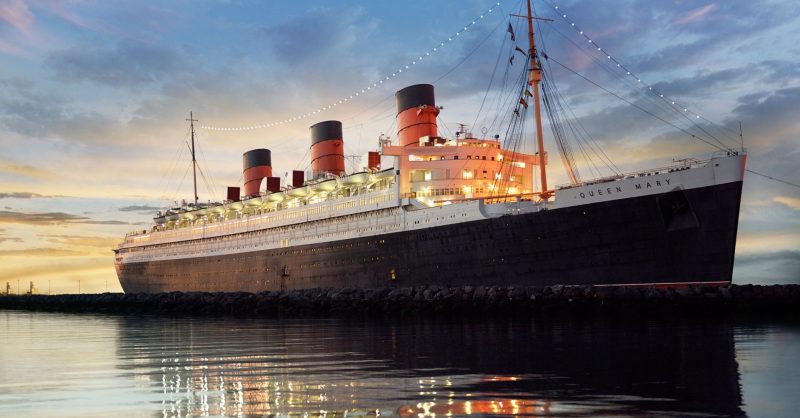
(466, 174)
(467, 189)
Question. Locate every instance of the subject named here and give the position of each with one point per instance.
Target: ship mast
(194, 161)
(533, 80)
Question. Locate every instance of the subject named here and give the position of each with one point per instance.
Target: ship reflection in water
(327, 368)
(84, 365)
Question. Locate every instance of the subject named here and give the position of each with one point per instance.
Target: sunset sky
(94, 97)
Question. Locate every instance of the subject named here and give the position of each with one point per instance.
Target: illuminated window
(467, 174)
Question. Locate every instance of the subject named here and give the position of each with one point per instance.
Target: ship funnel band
(323, 131)
(334, 155)
(415, 96)
(256, 158)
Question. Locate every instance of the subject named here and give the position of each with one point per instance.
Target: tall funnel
(257, 166)
(416, 114)
(327, 148)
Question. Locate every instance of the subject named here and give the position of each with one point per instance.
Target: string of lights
(671, 102)
(403, 68)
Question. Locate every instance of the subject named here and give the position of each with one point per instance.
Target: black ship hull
(681, 237)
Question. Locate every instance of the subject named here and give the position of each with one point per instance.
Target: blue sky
(93, 97)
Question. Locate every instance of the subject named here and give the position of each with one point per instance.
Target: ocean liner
(456, 211)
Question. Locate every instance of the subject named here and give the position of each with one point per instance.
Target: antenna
(741, 137)
(194, 161)
(355, 160)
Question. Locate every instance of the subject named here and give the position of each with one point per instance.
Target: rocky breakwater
(783, 300)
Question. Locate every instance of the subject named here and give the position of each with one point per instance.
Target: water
(54, 365)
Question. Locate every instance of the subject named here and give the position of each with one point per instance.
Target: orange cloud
(17, 14)
(695, 15)
(763, 242)
(52, 218)
(23, 169)
(40, 252)
(791, 202)
(95, 245)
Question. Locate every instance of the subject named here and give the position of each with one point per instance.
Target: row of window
(288, 215)
(276, 236)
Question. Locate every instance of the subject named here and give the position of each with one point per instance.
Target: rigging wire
(660, 103)
(208, 183)
(637, 106)
(674, 104)
(773, 178)
(579, 132)
(491, 80)
(163, 187)
(671, 103)
(180, 184)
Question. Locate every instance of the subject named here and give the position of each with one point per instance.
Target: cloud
(695, 15)
(100, 245)
(138, 208)
(791, 202)
(46, 115)
(776, 111)
(91, 222)
(40, 252)
(316, 38)
(4, 238)
(27, 112)
(768, 268)
(17, 14)
(39, 218)
(697, 84)
(52, 218)
(25, 170)
(24, 195)
(129, 63)
(9, 239)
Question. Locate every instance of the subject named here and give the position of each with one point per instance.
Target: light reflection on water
(81, 365)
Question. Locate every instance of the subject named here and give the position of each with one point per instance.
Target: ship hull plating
(680, 237)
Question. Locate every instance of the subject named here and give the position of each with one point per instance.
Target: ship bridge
(438, 170)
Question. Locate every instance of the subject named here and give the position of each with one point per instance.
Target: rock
(557, 289)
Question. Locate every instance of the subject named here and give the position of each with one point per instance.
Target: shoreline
(746, 300)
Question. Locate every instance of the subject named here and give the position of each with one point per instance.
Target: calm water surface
(54, 365)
